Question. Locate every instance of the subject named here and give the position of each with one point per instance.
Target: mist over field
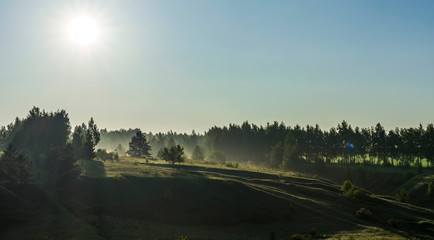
(191, 120)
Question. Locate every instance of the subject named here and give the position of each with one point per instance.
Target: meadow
(134, 198)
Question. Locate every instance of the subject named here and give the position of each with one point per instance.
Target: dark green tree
(379, 147)
(139, 146)
(62, 164)
(92, 139)
(276, 155)
(78, 140)
(120, 150)
(198, 154)
(290, 153)
(428, 144)
(14, 166)
(173, 154)
(393, 145)
(332, 145)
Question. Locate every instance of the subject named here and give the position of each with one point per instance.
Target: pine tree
(92, 139)
(276, 155)
(139, 146)
(14, 166)
(173, 154)
(198, 154)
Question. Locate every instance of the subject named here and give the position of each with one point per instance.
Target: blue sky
(183, 65)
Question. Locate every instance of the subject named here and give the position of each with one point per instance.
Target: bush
(173, 154)
(351, 192)
(347, 186)
(104, 155)
(364, 213)
(402, 195)
(297, 237)
(430, 189)
(280, 176)
(358, 195)
(232, 165)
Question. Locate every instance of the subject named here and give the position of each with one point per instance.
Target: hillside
(133, 200)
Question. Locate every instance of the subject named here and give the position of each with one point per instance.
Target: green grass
(135, 199)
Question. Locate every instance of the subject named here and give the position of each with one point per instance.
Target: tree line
(43, 141)
(119, 140)
(279, 145)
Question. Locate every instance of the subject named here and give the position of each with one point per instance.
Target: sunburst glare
(83, 30)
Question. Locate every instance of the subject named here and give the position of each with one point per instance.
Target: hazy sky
(183, 65)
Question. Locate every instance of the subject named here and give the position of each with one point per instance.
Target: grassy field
(135, 199)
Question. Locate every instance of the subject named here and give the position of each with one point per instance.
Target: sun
(83, 30)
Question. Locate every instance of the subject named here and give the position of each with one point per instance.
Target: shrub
(174, 154)
(232, 165)
(351, 192)
(358, 195)
(297, 237)
(347, 186)
(430, 189)
(364, 213)
(102, 154)
(402, 195)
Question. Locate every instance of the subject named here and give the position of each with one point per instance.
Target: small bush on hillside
(180, 237)
(232, 165)
(349, 191)
(347, 186)
(364, 213)
(297, 236)
(402, 195)
(104, 155)
(430, 189)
